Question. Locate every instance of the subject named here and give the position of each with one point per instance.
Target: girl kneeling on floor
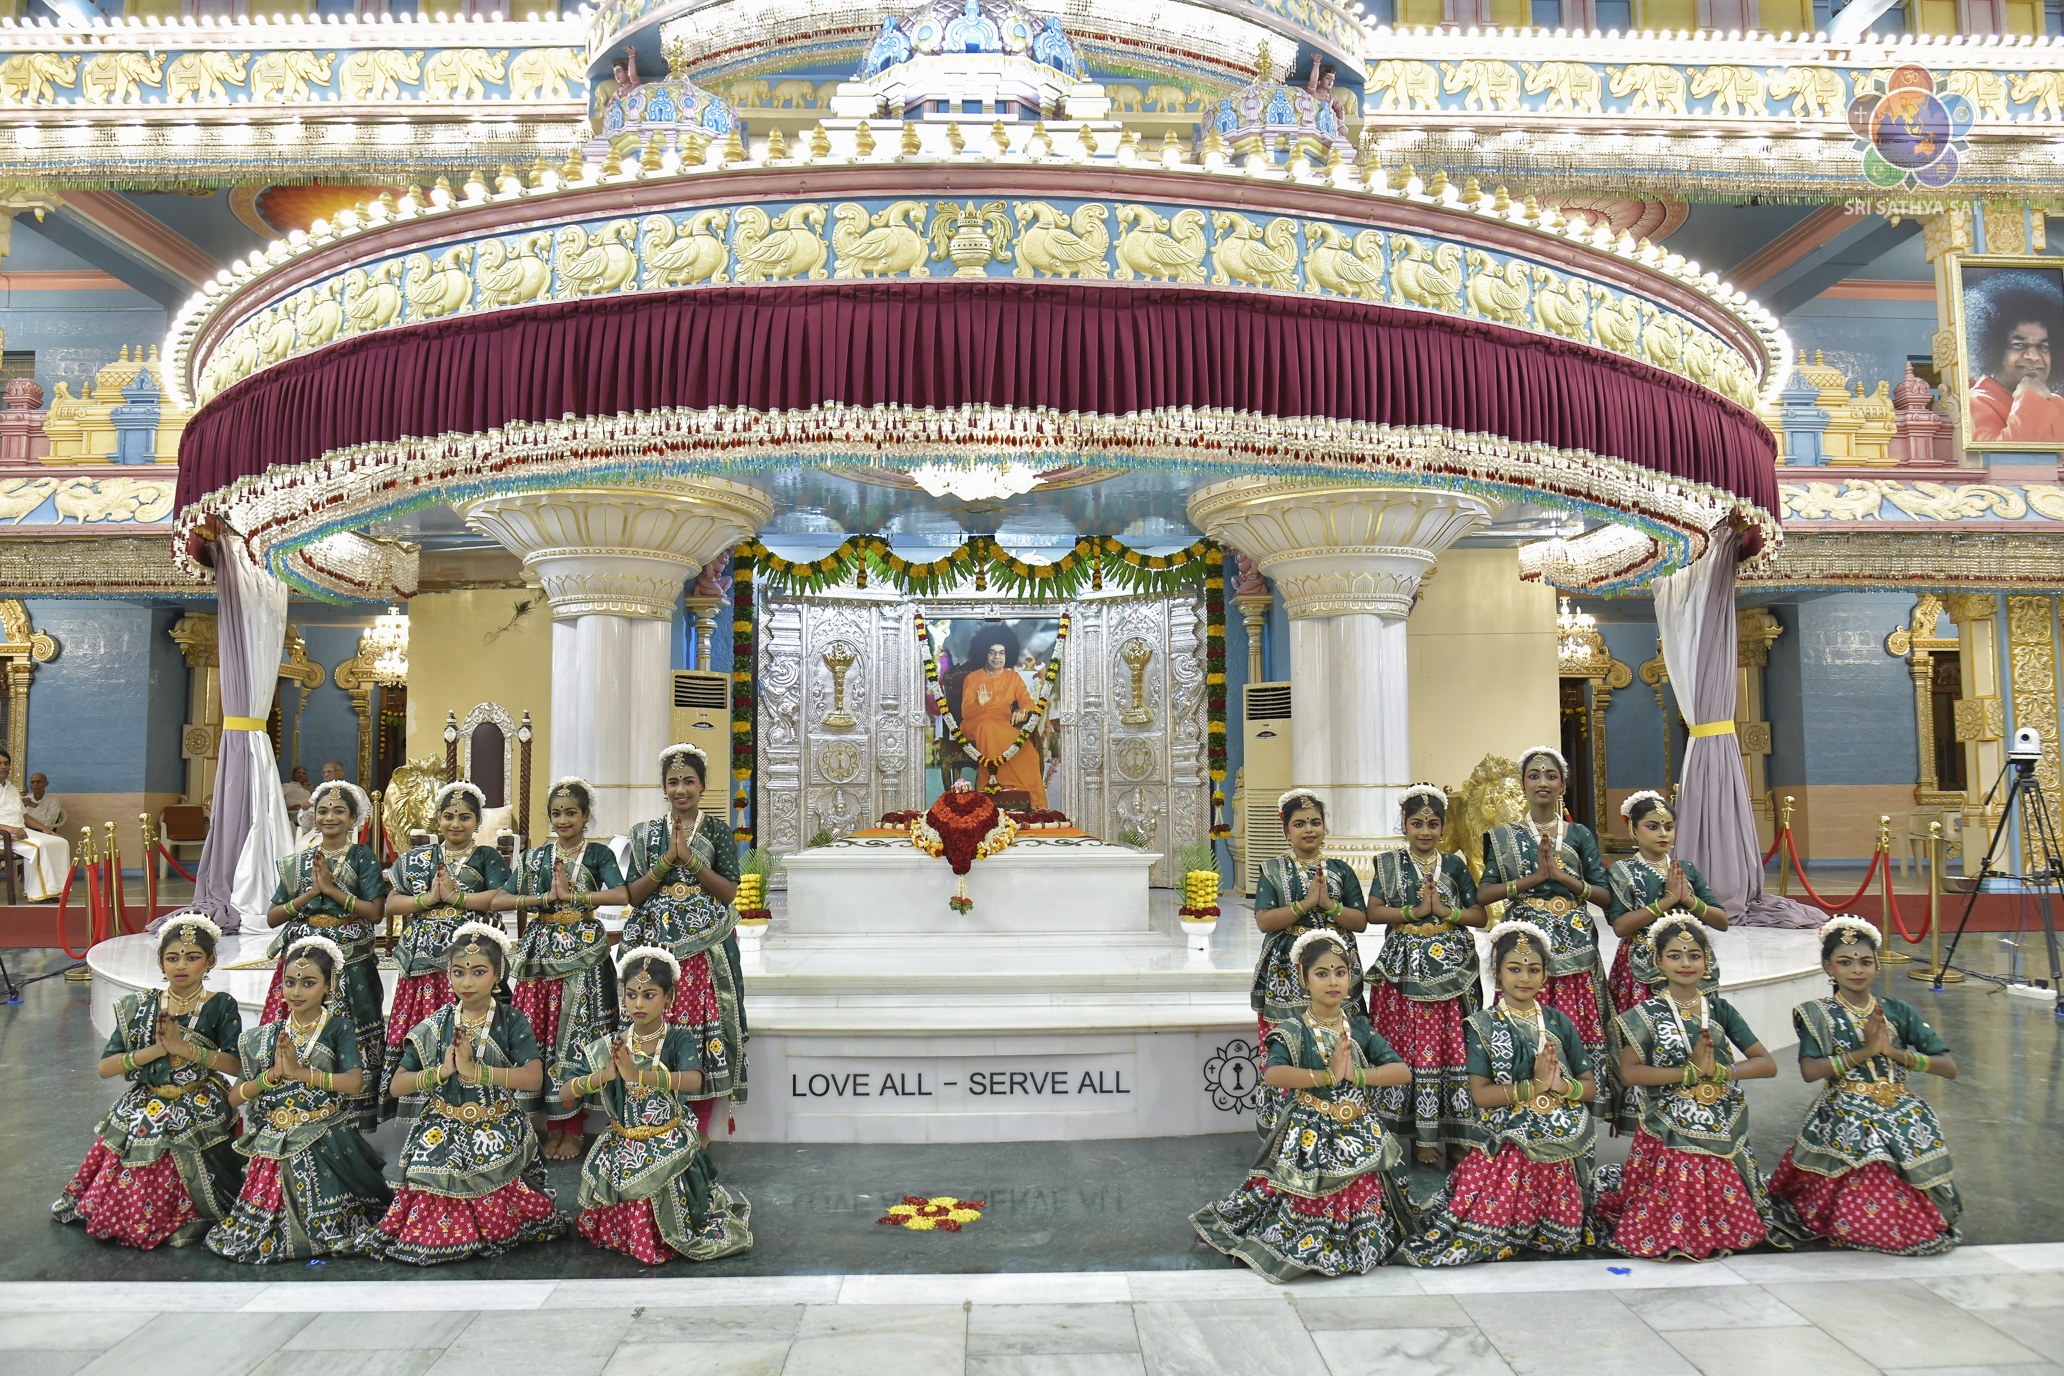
(1690, 1187)
(1526, 1183)
(472, 1175)
(1326, 1194)
(648, 1186)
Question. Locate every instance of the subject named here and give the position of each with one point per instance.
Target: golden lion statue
(405, 807)
(1491, 798)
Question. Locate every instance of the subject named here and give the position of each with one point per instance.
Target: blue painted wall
(1633, 724)
(1840, 708)
(104, 716)
(329, 728)
(1868, 340)
(77, 333)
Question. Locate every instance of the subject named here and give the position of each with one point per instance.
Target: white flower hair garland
(444, 794)
(320, 943)
(658, 953)
(1627, 803)
(361, 806)
(1851, 926)
(1322, 934)
(502, 940)
(182, 926)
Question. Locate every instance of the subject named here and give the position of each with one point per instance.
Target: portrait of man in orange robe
(994, 705)
(2013, 318)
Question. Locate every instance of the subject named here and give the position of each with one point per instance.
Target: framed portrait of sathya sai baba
(2008, 328)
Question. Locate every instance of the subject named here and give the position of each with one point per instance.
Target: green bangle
(129, 1061)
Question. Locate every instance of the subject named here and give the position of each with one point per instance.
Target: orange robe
(2000, 417)
(986, 700)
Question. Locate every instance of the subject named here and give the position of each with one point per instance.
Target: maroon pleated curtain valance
(1070, 346)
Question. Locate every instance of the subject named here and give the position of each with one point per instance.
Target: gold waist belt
(325, 920)
(445, 910)
(1887, 1092)
(179, 1091)
(679, 889)
(470, 1112)
(1341, 1111)
(646, 1134)
(1707, 1092)
(287, 1119)
(1557, 906)
(1439, 927)
(572, 912)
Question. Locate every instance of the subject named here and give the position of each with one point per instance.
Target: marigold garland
(1092, 562)
(744, 661)
(962, 827)
(941, 1213)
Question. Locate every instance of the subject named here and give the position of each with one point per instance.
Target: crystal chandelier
(981, 484)
(385, 644)
(1576, 636)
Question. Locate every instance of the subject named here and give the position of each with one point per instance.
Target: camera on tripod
(2027, 747)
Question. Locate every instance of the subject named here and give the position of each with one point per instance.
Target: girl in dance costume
(1546, 870)
(1326, 1193)
(1425, 981)
(162, 1168)
(335, 889)
(1645, 890)
(313, 1184)
(1526, 1183)
(434, 887)
(1690, 1187)
(1303, 891)
(684, 874)
(648, 1186)
(1869, 1168)
(565, 984)
(472, 1178)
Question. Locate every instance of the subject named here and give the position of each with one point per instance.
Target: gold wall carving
(22, 648)
(1918, 642)
(2032, 661)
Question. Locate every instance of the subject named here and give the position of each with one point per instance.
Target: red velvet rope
(1892, 907)
(64, 898)
(1775, 842)
(173, 861)
(1815, 899)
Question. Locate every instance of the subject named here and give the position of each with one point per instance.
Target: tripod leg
(1985, 869)
(2053, 867)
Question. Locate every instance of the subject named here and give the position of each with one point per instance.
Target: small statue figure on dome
(626, 73)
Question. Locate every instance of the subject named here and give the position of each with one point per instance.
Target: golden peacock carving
(1053, 243)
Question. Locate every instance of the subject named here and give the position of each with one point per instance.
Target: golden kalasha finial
(1214, 144)
(476, 186)
(777, 146)
(1264, 64)
(1437, 183)
(820, 142)
(999, 138)
(1471, 192)
(1402, 178)
(649, 160)
(571, 171)
(954, 139)
(734, 147)
(1088, 140)
(1128, 142)
(912, 145)
(695, 151)
(444, 185)
(1533, 207)
(1040, 145)
(863, 140)
(1501, 202)
(537, 172)
(611, 164)
(1174, 152)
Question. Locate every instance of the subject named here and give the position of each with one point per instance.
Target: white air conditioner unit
(702, 716)
(1265, 737)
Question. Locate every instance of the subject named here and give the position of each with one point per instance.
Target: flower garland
(1049, 676)
(962, 827)
(1215, 692)
(1093, 562)
(743, 662)
(941, 1213)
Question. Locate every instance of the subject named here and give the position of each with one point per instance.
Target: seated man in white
(304, 818)
(48, 855)
(294, 792)
(41, 807)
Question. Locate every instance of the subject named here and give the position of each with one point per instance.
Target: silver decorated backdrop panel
(843, 729)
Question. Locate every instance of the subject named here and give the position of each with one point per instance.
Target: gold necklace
(304, 1045)
(1863, 1014)
(170, 1002)
(648, 1045)
(1705, 1015)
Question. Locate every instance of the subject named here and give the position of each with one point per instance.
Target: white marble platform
(885, 885)
(983, 1035)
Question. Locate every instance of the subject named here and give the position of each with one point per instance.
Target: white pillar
(613, 561)
(1347, 561)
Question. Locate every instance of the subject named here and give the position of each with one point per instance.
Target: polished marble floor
(1996, 1310)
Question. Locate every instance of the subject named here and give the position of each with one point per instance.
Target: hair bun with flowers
(184, 925)
(1433, 791)
(1627, 803)
(1849, 927)
(491, 931)
(361, 806)
(1521, 927)
(1297, 947)
(683, 748)
(566, 781)
(443, 795)
(1656, 936)
(658, 953)
(1284, 799)
(320, 943)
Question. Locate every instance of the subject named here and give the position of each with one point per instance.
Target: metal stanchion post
(79, 974)
(1784, 827)
(1935, 973)
(1887, 924)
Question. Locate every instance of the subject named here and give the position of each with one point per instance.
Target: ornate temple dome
(940, 27)
(672, 108)
(1280, 121)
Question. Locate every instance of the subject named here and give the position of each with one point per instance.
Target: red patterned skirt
(626, 1228)
(1680, 1204)
(1434, 1109)
(695, 993)
(1494, 1206)
(540, 1000)
(137, 1206)
(1871, 1208)
(275, 1006)
(425, 1228)
(1626, 991)
(1576, 997)
(416, 997)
